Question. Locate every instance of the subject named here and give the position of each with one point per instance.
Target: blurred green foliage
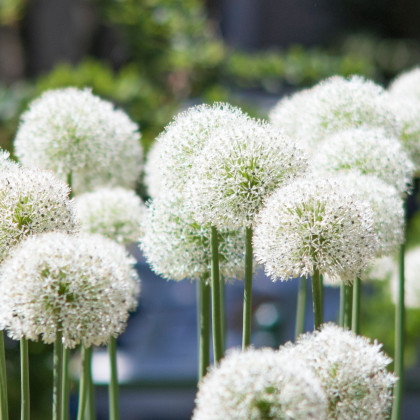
(11, 11)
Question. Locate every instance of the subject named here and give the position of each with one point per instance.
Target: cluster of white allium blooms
(368, 150)
(184, 138)
(177, 247)
(81, 285)
(352, 372)
(257, 385)
(6, 163)
(240, 165)
(386, 205)
(381, 269)
(407, 85)
(112, 212)
(314, 225)
(333, 105)
(153, 170)
(73, 131)
(412, 279)
(31, 202)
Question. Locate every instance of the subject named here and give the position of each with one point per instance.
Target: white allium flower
(31, 202)
(381, 268)
(314, 225)
(352, 372)
(71, 130)
(82, 285)
(412, 279)
(407, 85)
(153, 170)
(177, 247)
(386, 205)
(335, 104)
(240, 166)
(257, 385)
(112, 212)
(369, 151)
(6, 163)
(185, 137)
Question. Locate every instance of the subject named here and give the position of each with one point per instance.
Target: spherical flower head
(6, 163)
(412, 279)
(185, 137)
(257, 385)
(83, 286)
(31, 202)
(333, 105)
(369, 151)
(177, 247)
(314, 225)
(153, 170)
(407, 85)
(352, 372)
(381, 268)
(238, 168)
(386, 205)
(73, 131)
(112, 212)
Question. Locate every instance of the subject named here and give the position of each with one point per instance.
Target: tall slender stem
(58, 373)
(357, 291)
(301, 306)
(84, 379)
(316, 298)
(114, 409)
(215, 295)
(342, 304)
(24, 382)
(91, 410)
(247, 317)
(65, 385)
(399, 339)
(203, 304)
(222, 310)
(348, 306)
(4, 413)
(321, 285)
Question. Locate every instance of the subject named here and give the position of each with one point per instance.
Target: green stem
(65, 385)
(399, 339)
(24, 384)
(357, 290)
(203, 304)
(348, 306)
(70, 183)
(84, 379)
(301, 306)
(247, 316)
(113, 383)
(91, 411)
(222, 310)
(215, 294)
(316, 298)
(321, 283)
(4, 412)
(342, 304)
(58, 373)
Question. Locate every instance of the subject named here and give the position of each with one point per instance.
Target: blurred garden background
(154, 58)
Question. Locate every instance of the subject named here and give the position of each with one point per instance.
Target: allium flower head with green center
(352, 372)
(112, 212)
(177, 247)
(335, 104)
(369, 151)
(71, 130)
(31, 202)
(185, 137)
(314, 225)
(257, 385)
(82, 285)
(238, 168)
(407, 85)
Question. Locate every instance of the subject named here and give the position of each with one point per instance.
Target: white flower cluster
(73, 131)
(6, 163)
(368, 150)
(353, 372)
(185, 137)
(314, 225)
(407, 85)
(177, 247)
(31, 202)
(238, 168)
(333, 105)
(112, 212)
(83, 286)
(257, 385)
(153, 170)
